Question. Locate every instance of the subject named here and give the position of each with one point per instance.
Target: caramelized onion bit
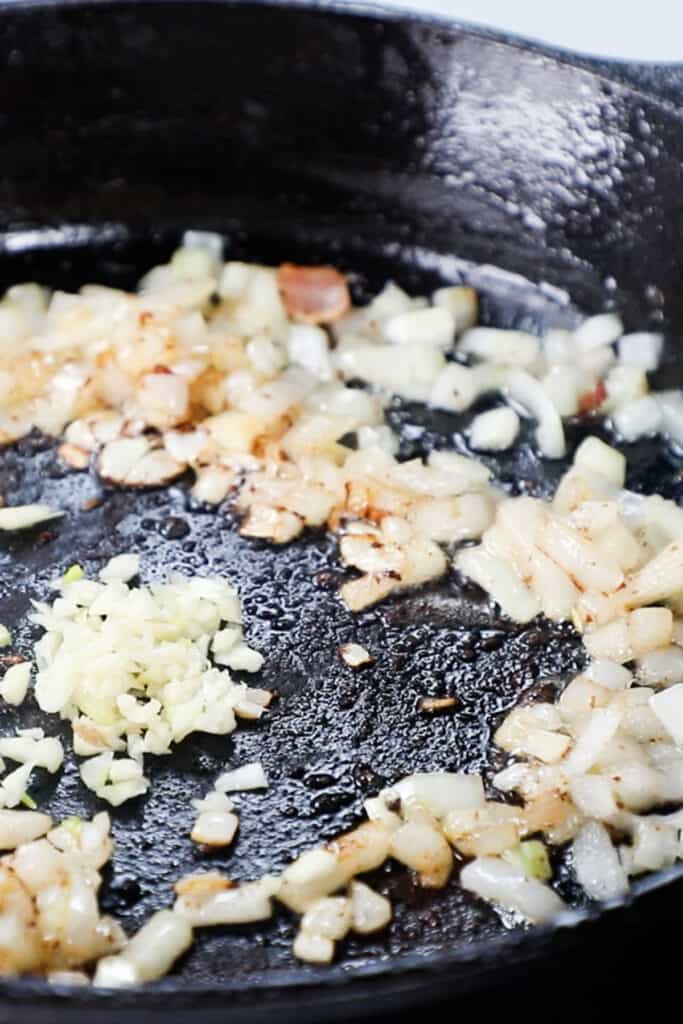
(314, 295)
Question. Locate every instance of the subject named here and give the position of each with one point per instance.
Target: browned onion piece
(315, 295)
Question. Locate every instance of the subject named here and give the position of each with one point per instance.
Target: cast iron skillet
(392, 146)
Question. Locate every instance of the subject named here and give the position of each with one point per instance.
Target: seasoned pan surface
(394, 145)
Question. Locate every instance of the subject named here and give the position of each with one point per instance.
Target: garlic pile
(136, 669)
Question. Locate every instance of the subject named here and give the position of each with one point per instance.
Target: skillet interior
(385, 146)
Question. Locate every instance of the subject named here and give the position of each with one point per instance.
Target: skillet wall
(311, 132)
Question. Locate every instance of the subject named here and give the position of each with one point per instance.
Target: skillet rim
(417, 971)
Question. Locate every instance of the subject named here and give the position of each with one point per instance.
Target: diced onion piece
(213, 801)
(462, 302)
(212, 484)
(525, 390)
(655, 845)
(455, 387)
(204, 241)
(313, 949)
(553, 587)
(308, 347)
(638, 419)
(421, 847)
(495, 430)
(631, 636)
(592, 740)
(243, 658)
(597, 457)
(597, 864)
(506, 885)
(593, 796)
(660, 578)
(18, 827)
(500, 581)
(597, 331)
(115, 972)
(248, 776)
(369, 909)
(661, 667)
(610, 674)
(483, 831)
(68, 978)
(214, 828)
(242, 904)
(668, 707)
(412, 375)
(431, 326)
(511, 348)
(581, 559)
(331, 917)
(150, 954)
(22, 517)
(441, 792)
(641, 349)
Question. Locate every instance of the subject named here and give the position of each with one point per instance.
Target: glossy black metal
(393, 147)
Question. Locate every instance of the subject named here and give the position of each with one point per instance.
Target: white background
(648, 30)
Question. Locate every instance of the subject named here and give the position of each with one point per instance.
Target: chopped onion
(499, 882)
(500, 581)
(423, 848)
(526, 391)
(495, 430)
(242, 904)
(149, 955)
(668, 707)
(455, 387)
(511, 348)
(432, 326)
(638, 419)
(642, 350)
(370, 911)
(248, 776)
(22, 517)
(441, 792)
(597, 457)
(597, 331)
(314, 949)
(597, 864)
(330, 917)
(214, 828)
(462, 302)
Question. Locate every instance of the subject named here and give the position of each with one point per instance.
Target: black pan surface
(395, 148)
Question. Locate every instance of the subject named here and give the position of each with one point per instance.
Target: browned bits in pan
(437, 705)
